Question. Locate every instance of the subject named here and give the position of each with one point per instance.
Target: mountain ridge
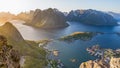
(91, 17)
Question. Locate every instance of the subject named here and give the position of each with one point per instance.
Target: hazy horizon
(16, 7)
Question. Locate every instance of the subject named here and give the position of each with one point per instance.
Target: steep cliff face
(49, 18)
(91, 17)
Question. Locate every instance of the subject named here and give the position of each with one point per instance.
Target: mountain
(30, 51)
(91, 17)
(26, 16)
(9, 31)
(6, 16)
(49, 18)
(115, 15)
(53, 18)
(14, 37)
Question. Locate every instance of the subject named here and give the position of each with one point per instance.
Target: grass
(32, 51)
(35, 55)
(31, 62)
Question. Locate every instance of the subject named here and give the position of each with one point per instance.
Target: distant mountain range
(92, 17)
(53, 18)
(6, 16)
(49, 18)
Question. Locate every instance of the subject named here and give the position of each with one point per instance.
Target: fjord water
(74, 50)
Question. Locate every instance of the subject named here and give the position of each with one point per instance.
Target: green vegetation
(31, 62)
(36, 61)
(34, 45)
(35, 57)
(53, 63)
(78, 36)
(29, 49)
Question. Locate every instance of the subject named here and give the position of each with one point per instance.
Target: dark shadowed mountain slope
(49, 18)
(91, 17)
(115, 15)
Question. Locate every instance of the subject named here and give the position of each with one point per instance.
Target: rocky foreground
(9, 57)
(29, 53)
(114, 63)
(108, 58)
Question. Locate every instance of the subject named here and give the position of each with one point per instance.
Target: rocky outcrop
(92, 17)
(94, 64)
(114, 63)
(9, 57)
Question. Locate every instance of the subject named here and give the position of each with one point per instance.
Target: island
(85, 36)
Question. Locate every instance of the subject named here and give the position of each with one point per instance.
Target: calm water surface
(75, 50)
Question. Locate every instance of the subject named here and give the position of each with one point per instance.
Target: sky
(17, 6)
